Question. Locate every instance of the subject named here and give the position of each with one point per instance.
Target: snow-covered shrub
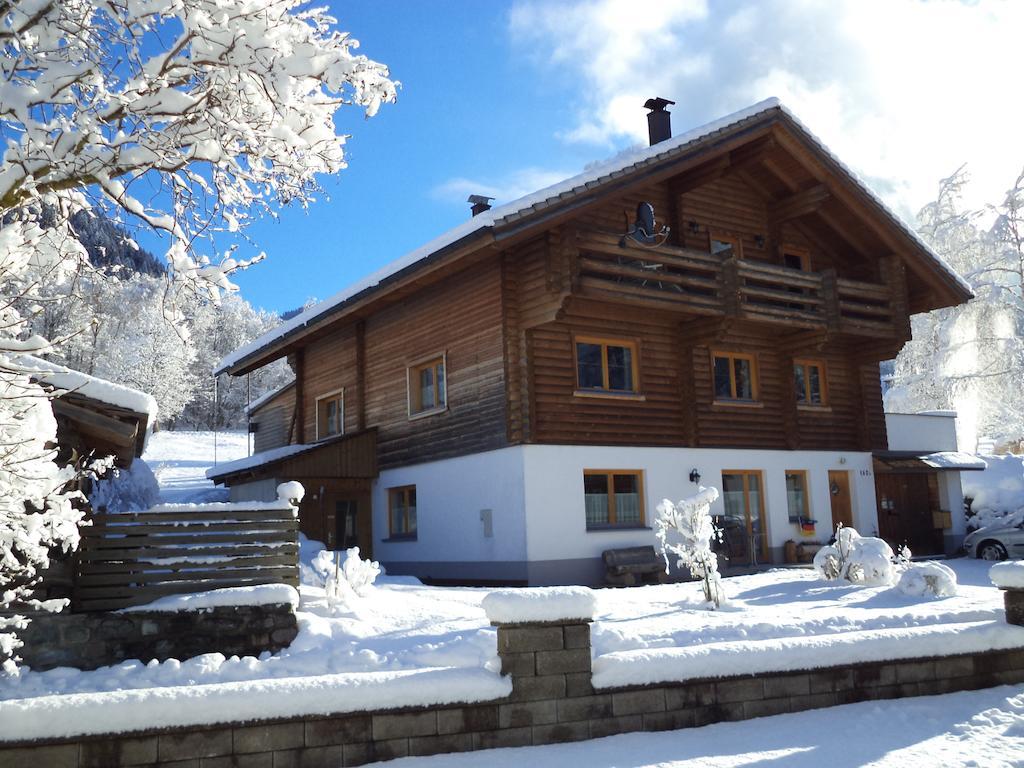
(858, 559)
(690, 520)
(126, 490)
(997, 493)
(927, 579)
(344, 575)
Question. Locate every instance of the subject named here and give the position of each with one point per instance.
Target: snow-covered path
(180, 459)
(982, 729)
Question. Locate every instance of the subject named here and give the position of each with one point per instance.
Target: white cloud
(510, 187)
(904, 91)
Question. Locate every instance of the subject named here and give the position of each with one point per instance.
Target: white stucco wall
(450, 496)
(930, 432)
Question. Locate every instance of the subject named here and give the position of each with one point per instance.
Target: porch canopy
(925, 461)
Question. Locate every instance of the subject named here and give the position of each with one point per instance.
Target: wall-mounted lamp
(842, 459)
(694, 227)
(694, 476)
(759, 241)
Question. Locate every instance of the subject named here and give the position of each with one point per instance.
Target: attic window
(427, 386)
(330, 415)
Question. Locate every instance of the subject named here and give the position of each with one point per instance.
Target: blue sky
(504, 98)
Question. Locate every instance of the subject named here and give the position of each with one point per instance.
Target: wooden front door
(839, 494)
(905, 503)
(347, 521)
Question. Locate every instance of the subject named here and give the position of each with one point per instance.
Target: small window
(735, 375)
(796, 495)
(724, 245)
(796, 258)
(613, 498)
(605, 365)
(427, 386)
(809, 381)
(330, 415)
(402, 512)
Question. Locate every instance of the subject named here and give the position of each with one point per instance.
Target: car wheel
(991, 550)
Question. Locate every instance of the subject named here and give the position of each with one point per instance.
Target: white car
(998, 541)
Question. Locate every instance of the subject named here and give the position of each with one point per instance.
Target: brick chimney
(480, 204)
(659, 120)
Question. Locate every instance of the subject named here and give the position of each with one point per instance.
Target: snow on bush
(1008, 575)
(996, 492)
(690, 520)
(536, 604)
(126, 490)
(927, 579)
(344, 575)
(858, 559)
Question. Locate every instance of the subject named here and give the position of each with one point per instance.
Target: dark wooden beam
(361, 374)
(799, 204)
(91, 423)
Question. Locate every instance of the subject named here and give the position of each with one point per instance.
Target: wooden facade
(774, 253)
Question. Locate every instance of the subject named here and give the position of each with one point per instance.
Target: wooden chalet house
(518, 395)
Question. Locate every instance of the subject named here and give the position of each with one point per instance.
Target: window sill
(398, 539)
(607, 395)
(737, 404)
(425, 414)
(616, 527)
(814, 408)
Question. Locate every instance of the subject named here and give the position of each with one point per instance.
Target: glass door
(744, 501)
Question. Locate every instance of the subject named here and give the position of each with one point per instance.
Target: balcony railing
(690, 281)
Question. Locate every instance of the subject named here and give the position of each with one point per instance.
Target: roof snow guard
(493, 225)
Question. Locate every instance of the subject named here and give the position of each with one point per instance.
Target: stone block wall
(552, 701)
(91, 640)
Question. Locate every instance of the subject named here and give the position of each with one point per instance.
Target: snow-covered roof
(68, 380)
(622, 164)
(954, 460)
(266, 397)
(259, 459)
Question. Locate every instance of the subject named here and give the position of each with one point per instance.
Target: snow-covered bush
(690, 520)
(858, 559)
(126, 490)
(344, 575)
(927, 579)
(996, 493)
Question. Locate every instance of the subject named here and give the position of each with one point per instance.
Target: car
(997, 541)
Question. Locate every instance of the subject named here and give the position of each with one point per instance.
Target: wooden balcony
(696, 282)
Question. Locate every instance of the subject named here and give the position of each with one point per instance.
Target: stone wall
(91, 640)
(552, 701)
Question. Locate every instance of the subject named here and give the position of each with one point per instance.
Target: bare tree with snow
(187, 116)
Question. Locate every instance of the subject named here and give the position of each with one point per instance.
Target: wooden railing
(686, 280)
(134, 558)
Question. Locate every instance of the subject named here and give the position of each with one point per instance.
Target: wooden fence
(128, 559)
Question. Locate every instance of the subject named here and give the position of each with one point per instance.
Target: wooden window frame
(755, 384)
(763, 550)
(612, 523)
(807, 494)
(801, 253)
(726, 237)
(405, 535)
(604, 342)
(339, 395)
(412, 391)
(807, 362)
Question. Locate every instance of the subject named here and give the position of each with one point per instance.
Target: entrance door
(905, 504)
(346, 522)
(744, 500)
(839, 493)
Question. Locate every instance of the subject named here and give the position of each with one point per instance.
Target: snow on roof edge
(70, 380)
(258, 459)
(518, 208)
(268, 396)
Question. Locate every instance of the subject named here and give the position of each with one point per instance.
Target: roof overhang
(927, 461)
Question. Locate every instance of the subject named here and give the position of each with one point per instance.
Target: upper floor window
(402, 512)
(427, 386)
(721, 244)
(613, 498)
(735, 377)
(809, 380)
(606, 365)
(330, 414)
(796, 258)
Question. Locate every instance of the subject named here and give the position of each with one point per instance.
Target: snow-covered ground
(179, 459)
(982, 729)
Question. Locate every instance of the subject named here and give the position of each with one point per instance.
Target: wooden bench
(633, 565)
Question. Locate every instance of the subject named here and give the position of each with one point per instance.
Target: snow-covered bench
(628, 566)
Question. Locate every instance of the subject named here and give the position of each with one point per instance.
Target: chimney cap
(657, 104)
(479, 200)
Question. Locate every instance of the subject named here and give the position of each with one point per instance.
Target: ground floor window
(613, 498)
(796, 495)
(743, 496)
(402, 512)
